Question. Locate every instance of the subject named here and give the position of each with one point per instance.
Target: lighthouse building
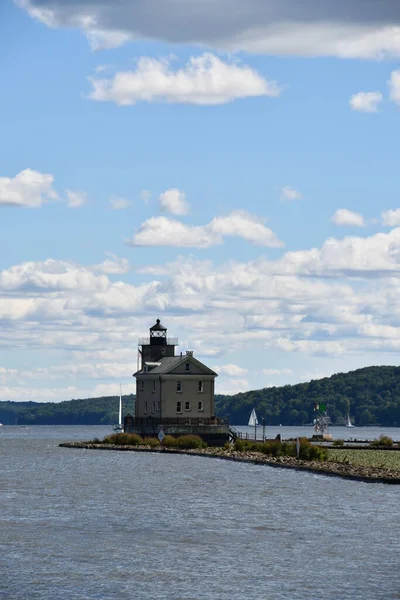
(174, 393)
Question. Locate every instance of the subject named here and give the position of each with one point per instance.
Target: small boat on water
(119, 428)
(349, 423)
(253, 421)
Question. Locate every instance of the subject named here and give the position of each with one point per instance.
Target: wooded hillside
(370, 395)
(90, 411)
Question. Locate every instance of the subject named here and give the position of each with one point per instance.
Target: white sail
(253, 421)
(349, 423)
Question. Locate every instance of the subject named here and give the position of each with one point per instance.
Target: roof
(158, 326)
(167, 363)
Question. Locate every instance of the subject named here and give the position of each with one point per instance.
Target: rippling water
(81, 524)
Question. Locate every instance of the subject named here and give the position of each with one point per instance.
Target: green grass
(367, 458)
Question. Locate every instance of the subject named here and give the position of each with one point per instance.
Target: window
(200, 387)
(179, 386)
(154, 386)
(146, 369)
(200, 406)
(179, 407)
(141, 386)
(187, 405)
(187, 367)
(145, 407)
(158, 405)
(162, 350)
(153, 407)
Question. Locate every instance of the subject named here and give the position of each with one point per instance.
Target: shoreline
(330, 469)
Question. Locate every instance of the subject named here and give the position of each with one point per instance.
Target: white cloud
(145, 196)
(76, 199)
(173, 201)
(391, 218)
(28, 188)
(230, 370)
(289, 193)
(354, 29)
(205, 79)
(347, 217)
(231, 386)
(119, 203)
(394, 86)
(100, 39)
(51, 275)
(278, 372)
(366, 101)
(113, 266)
(163, 231)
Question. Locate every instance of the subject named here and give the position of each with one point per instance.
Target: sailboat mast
(120, 405)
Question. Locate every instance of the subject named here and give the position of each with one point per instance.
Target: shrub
(170, 441)
(151, 441)
(227, 446)
(272, 448)
(338, 443)
(384, 441)
(239, 445)
(288, 449)
(123, 439)
(190, 441)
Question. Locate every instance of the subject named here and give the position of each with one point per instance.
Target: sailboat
(253, 421)
(119, 428)
(349, 423)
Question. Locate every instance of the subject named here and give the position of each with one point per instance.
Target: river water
(87, 524)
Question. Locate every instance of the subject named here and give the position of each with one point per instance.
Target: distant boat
(253, 421)
(349, 423)
(119, 428)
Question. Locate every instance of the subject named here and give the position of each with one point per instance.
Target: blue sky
(232, 172)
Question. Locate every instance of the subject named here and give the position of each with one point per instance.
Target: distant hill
(371, 396)
(90, 411)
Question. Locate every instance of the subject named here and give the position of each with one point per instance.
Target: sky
(227, 167)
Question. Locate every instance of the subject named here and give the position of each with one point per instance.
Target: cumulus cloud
(355, 29)
(347, 217)
(163, 231)
(205, 79)
(51, 275)
(366, 101)
(118, 203)
(113, 266)
(394, 87)
(230, 370)
(173, 201)
(289, 193)
(28, 188)
(76, 199)
(277, 372)
(391, 218)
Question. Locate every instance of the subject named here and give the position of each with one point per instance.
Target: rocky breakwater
(333, 469)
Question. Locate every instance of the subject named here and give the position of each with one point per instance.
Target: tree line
(88, 411)
(371, 396)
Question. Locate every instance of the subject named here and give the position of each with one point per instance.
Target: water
(82, 524)
(344, 433)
